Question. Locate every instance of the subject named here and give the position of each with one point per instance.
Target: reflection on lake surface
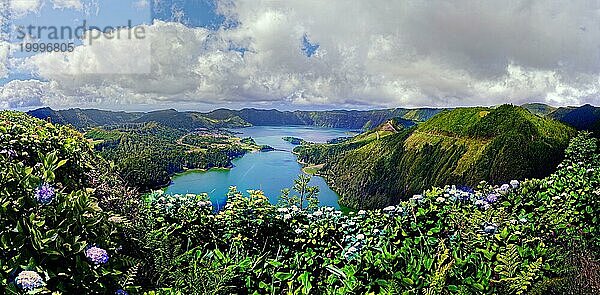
(267, 171)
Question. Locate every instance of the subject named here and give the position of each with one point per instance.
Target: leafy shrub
(54, 235)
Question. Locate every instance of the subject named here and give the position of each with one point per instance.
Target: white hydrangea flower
(514, 184)
(389, 208)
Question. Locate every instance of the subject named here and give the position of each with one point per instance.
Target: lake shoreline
(270, 171)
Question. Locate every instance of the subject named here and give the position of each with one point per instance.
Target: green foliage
(461, 146)
(307, 198)
(446, 241)
(540, 236)
(295, 140)
(49, 215)
(148, 154)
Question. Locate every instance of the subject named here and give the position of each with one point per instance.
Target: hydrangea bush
(523, 237)
(50, 220)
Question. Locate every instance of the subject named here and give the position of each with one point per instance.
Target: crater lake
(270, 171)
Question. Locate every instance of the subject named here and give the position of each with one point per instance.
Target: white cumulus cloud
(376, 53)
(22, 94)
(20, 8)
(62, 4)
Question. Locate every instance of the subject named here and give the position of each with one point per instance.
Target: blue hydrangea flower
(44, 194)
(121, 292)
(29, 280)
(490, 228)
(491, 198)
(97, 255)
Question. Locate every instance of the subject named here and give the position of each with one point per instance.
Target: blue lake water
(270, 172)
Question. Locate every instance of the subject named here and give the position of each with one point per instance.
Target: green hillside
(539, 109)
(84, 119)
(146, 155)
(462, 146)
(586, 117)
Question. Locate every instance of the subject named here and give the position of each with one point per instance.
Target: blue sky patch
(309, 48)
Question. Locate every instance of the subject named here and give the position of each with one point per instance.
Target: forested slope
(462, 146)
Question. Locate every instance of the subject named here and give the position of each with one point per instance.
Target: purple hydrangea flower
(467, 189)
(491, 198)
(504, 188)
(121, 292)
(97, 255)
(29, 280)
(44, 194)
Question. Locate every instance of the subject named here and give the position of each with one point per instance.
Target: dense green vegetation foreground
(59, 234)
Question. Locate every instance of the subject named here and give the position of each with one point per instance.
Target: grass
(313, 169)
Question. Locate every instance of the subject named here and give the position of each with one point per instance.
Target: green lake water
(267, 171)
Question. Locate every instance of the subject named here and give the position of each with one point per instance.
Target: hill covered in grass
(461, 146)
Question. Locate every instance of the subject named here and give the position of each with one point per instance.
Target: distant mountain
(83, 119)
(539, 109)
(258, 117)
(461, 146)
(185, 120)
(224, 118)
(332, 119)
(586, 117)
(364, 119)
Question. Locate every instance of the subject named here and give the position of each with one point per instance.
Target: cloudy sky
(304, 54)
